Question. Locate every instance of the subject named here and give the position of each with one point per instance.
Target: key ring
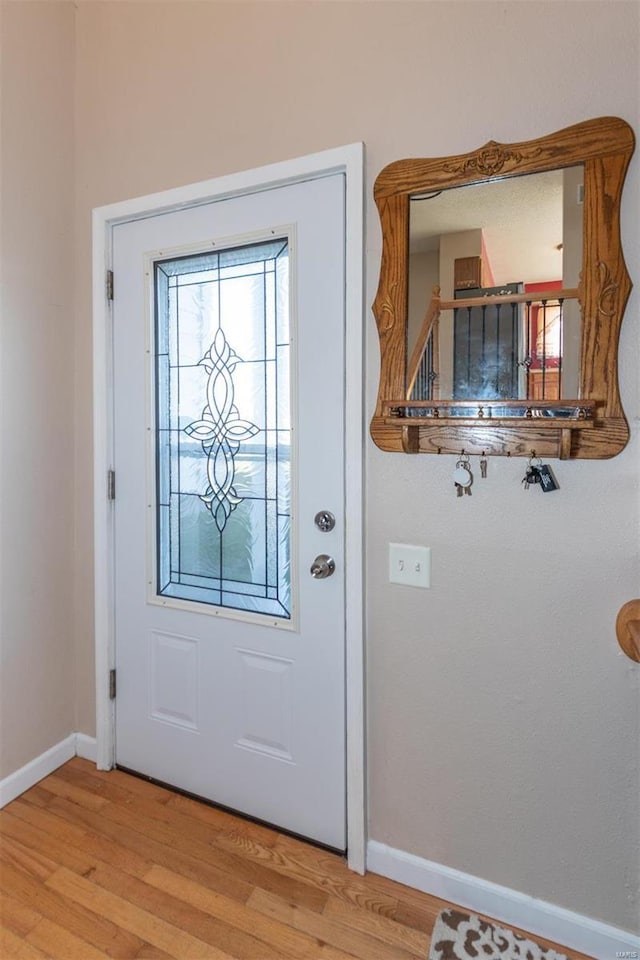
(462, 475)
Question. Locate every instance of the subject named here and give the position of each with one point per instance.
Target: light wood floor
(104, 864)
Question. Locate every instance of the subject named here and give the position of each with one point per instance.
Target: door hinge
(111, 485)
(109, 285)
(112, 684)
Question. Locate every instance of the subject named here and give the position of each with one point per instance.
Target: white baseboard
(16, 783)
(86, 747)
(516, 909)
(76, 744)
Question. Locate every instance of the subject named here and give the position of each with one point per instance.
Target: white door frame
(350, 161)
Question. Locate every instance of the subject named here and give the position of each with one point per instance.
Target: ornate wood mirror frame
(591, 425)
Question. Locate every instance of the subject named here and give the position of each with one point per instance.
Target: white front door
(229, 440)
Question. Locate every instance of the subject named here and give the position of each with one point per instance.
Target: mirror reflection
(510, 252)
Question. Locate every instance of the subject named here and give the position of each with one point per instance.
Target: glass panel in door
(223, 428)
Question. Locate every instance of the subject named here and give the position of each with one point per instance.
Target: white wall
(37, 682)
(424, 276)
(503, 720)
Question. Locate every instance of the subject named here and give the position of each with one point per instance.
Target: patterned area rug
(463, 936)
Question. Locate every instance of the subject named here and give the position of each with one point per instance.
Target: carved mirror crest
(501, 296)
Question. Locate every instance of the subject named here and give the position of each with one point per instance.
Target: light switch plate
(410, 565)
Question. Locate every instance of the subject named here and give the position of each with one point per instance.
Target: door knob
(322, 567)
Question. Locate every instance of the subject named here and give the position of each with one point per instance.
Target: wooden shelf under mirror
(528, 361)
(546, 427)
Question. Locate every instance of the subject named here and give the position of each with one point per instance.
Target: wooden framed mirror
(501, 296)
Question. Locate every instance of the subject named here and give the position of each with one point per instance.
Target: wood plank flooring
(96, 864)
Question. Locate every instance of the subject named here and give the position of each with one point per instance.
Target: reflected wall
(480, 244)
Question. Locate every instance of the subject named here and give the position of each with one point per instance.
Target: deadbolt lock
(324, 521)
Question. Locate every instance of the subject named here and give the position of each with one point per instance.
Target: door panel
(230, 663)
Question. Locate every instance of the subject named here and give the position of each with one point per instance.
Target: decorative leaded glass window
(223, 430)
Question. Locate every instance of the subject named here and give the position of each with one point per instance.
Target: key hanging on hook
(462, 476)
(483, 466)
(532, 475)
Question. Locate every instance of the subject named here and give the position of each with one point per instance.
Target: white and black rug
(463, 936)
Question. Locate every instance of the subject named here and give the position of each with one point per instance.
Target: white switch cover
(410, 565)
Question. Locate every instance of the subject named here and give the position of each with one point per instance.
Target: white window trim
(350, 161)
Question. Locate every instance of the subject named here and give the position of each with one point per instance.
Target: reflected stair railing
(437, 305)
